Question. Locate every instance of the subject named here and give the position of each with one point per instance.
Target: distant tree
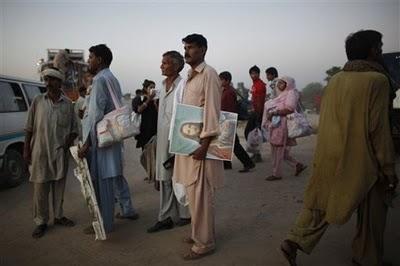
(332, 71)
(311, 95)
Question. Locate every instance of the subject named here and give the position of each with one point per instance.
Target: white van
(16, 96)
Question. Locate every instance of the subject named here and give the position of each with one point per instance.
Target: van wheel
(15, 168)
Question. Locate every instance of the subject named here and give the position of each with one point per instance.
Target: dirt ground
(252, 217)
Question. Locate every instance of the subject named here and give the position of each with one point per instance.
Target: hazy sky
(301, 38)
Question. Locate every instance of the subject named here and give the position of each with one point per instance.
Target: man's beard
(92, 71)
(53, 90)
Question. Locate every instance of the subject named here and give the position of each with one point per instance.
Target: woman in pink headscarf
(275, 122)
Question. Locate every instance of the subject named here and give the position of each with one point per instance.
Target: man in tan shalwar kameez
(354, 159)
(50, 131)
(199, 175)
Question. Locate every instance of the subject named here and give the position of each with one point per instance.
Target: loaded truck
(72, 63)
(392, 62)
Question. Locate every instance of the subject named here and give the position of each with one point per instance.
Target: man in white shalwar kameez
(170, 208)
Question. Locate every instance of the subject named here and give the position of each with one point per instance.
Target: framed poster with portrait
(187, 124)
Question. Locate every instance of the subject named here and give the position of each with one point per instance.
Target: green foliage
(332, 71)
(310, 94)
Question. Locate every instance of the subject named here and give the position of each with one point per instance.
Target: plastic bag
(254, 140)
(265, 134)
(136, 120)
(180, 193)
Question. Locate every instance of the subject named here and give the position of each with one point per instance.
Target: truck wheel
(14, 168)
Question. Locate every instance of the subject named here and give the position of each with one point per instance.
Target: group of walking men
(353, 166)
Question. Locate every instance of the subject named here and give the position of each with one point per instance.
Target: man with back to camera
(354, 164)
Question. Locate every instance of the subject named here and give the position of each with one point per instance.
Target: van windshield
(11, 98)
(32, 90)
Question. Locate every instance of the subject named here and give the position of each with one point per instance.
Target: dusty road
(253, 216)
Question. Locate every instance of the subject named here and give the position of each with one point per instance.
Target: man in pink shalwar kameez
(199, 175)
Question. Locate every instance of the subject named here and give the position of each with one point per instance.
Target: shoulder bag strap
(116, 102)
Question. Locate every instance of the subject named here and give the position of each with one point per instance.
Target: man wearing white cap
(50, 131)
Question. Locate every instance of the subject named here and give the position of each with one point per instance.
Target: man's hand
(152, 94)
(83, 151)
(200, 153)
(27, 155)
(70, 140)
(81, 112)
(269, 116)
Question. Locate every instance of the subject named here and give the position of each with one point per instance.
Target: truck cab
(392, 63)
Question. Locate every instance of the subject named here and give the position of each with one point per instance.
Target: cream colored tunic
(50, 124)
(79, 105)
(202, 89)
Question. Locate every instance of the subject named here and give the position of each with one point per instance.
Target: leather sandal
(299, 168)
(188, 240)
(183, 221)
(133, 217)
(64, 221)
(273, 178)
(89, 230)
(191, 255)
(39, 231)
(289, 251)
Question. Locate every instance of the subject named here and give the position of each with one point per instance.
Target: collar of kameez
(369, 66)
(101, 72)
(198, 69)
(364, 66)
(174, 84)
(62, 97)
(228, 87)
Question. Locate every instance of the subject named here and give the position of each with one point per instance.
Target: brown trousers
(371, 220)
(202, 209)
(41, 193)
